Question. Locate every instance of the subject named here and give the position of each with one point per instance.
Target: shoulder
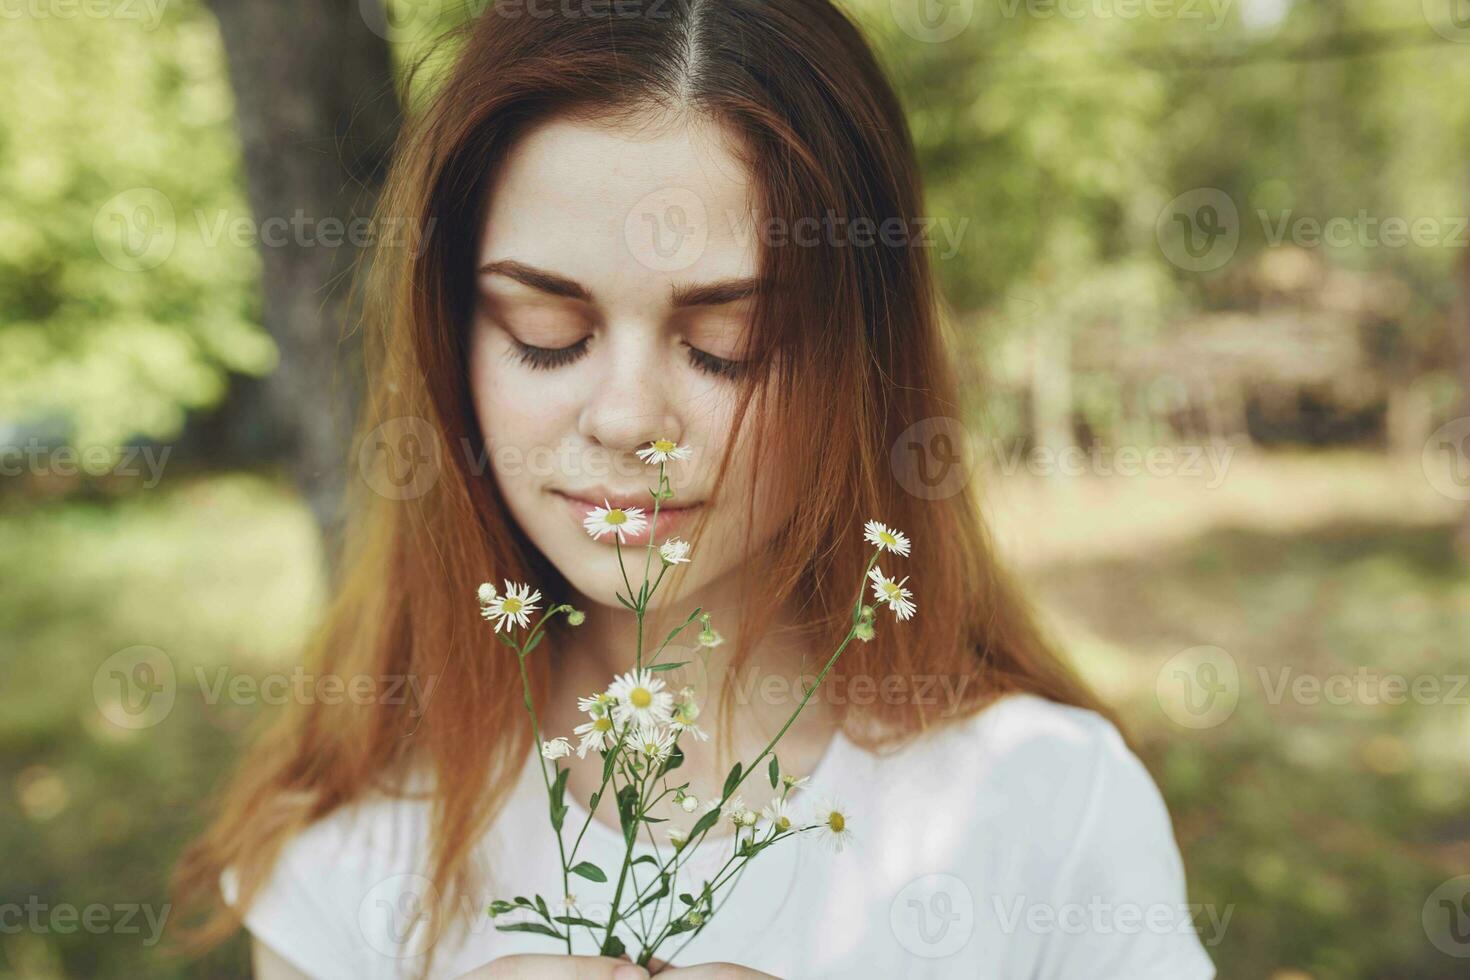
(1059, 825)
(1060, 776)
(329, 903)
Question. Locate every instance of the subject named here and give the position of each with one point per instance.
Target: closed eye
(549, 358)
(546, 358)
(710, 364)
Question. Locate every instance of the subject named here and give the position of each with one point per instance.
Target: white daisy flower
(685, 715)
(687, 802)
(736, 810)
(794, 782)
(678, 836)
(597, 705)
(518, 603)
(882, 536)
(641, 697)
(557, 748)
(596, 734)
(777, 814)
(831, 819)
(618, 521)
(654, 743)
(674, 551)
(887, 590)
(710, 637)
(662, 450)
(486, 593)
(569, 903)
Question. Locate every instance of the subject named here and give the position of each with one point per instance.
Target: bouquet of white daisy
(636, 725)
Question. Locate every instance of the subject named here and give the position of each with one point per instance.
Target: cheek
(513, 407)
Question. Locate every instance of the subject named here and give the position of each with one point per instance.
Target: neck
(761, 696)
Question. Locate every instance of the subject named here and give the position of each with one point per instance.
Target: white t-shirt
(1026, 841)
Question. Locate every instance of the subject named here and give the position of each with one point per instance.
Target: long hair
(850, 336)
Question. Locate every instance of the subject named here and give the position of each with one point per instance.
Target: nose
(631, 404)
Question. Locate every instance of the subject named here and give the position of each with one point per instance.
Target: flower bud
(576, 617)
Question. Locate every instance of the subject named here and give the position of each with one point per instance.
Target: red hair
(849, 337)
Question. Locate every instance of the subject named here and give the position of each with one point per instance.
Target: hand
(715, 971)
(547, 967)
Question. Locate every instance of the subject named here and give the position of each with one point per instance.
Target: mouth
(672, 518)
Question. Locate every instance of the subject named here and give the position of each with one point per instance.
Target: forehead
(627, 210)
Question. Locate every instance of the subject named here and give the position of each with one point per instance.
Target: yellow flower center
(602, 725)
(836, 822)
(887, 538)
(890, 589)
(616, 517)
(784, 823)
(511, 605)
(663, 445)
(640, 697)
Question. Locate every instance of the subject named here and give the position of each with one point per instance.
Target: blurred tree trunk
(1460, 323)
(317, 115)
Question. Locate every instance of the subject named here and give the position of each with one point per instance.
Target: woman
(696, 221)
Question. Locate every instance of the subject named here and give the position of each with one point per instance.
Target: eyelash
(547, 358)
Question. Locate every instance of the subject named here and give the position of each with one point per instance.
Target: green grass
(1322, 828)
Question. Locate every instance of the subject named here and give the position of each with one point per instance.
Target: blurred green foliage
(1059, 140)
(113, 344)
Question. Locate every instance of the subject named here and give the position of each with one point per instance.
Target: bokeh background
(1209, 269)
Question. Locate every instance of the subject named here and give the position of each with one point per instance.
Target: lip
(670, 519)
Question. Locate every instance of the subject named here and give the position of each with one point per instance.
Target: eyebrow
(715, 293)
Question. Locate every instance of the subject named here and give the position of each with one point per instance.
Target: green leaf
(590, 871)
(673, 666)
(674, 761)
(686, 898)
(613, 947)
(775, 771)
(536, 927)
(596, 799)
(628, 811)
(704, 823)
(731, 781)
(541, 905)
(573, 920)
(532, 645)
(558, 798)
(645, 859)
(624, 600)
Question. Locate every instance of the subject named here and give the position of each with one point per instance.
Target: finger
(715, 971)
(537, 966)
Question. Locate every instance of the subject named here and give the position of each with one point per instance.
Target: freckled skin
(577, 425)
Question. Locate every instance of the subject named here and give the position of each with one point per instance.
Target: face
(615, 291)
